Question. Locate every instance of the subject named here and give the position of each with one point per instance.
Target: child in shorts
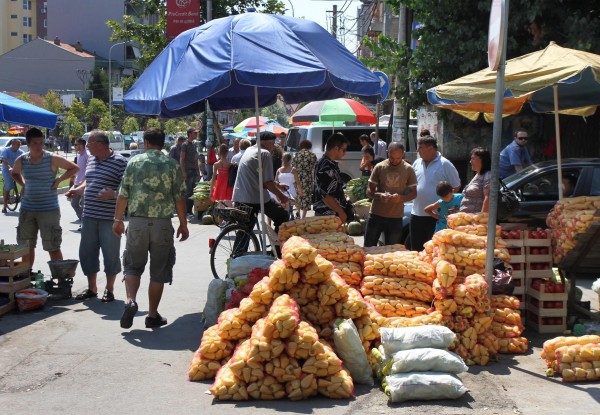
(448, 203)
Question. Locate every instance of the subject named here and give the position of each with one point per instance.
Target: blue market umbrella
(224, 60)
(16, 111)
(248, 61)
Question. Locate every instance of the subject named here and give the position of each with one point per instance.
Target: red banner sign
(181, 16)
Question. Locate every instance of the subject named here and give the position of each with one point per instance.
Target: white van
(350, 164)
(115, 139)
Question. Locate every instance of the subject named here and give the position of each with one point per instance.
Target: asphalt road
(73, 358)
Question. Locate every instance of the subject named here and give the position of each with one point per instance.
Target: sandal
(85, 294)
(108, 296)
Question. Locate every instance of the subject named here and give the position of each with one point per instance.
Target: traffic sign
(496, 32)
(384, 83)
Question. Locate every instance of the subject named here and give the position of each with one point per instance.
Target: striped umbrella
(339, 109)
(250, 123)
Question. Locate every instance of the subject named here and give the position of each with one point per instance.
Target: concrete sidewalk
(73, 357)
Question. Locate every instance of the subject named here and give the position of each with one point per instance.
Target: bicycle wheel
(13, 198)
(233, 241)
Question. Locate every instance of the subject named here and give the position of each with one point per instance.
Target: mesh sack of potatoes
(227, 387)
(332, 290)
(396, 286)
(316, 313)
(390, 306)
(304, 293)
(317, 271)
(353, 307)
(232, 326)
(283, 318)
(213, 347)
(374, 250)
(397, 264)
(297, 252)
(312, 225)
(281, 277)
(202, 368)
(351, 272)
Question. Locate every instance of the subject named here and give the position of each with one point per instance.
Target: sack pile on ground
(306, 226)
(414, 364)
(575, 359)
(569, 218)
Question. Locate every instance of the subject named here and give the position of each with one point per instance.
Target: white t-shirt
(428, 177)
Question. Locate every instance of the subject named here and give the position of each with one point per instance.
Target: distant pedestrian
(367, 161)
(515, 156)
(37, 172)
(477, 193)
(188, 162)
(175, 150)
(219, 184)
(9, 155)
(379, 146)
(431, 168)
(235, 149)
(76, 198)
(287, 175)
(151, 188)
(305, 161)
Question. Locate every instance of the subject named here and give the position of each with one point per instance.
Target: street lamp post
(110, 80)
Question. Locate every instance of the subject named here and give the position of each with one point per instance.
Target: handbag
(232, 174)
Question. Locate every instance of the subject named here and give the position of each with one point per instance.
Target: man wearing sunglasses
(515, 156)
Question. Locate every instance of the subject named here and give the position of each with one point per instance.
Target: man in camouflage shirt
(151, 188)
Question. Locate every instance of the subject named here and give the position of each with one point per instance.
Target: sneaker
(128, 314)
(4, 209)
(153, 322)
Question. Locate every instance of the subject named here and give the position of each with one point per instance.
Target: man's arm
(272, 186)
(332, 204)
(70, 168)
(431, 210)
(16, 172)
(182, 162)
(182, 230)
(118, 227)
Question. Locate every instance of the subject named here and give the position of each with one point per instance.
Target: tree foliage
(452, 40)
(153, 122)
(24, 96)
(130, 125)
(51, 101)
(99, 84)
(78, 109)
(151, 39)
(72, 126)
(96, 110)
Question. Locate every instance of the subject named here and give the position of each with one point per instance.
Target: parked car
(128, 154)
(115, 138)
(536, 188)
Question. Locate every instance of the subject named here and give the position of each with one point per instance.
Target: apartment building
(19, 21)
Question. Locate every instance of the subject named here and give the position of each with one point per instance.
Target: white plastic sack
(215, 301)
(349, 348)
(242, 265)
(405, 338)
(423, 386)
(426, 360)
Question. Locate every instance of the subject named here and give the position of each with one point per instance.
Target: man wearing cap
(175, 150)
(247, 190)
(188, 161)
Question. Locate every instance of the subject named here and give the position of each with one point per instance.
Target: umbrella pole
(261, 191)
(494, 179)
(558, 148)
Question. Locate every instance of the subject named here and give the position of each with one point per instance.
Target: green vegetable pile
(201, 191)
(356, 189)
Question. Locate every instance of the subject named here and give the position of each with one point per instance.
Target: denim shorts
(47, 223)
(9, 182)
(154, 236)
(96, 236)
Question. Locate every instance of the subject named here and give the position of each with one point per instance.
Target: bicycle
(237, 238)
(13, 198)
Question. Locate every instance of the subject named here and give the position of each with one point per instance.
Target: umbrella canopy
(529, 78)
(17, 129)
(272, 127)
(340, 109)
(250, 123)
(223, 61)
(16, 111)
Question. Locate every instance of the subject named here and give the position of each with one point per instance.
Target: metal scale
(63, 271)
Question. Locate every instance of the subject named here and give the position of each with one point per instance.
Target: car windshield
(518, 175)
(4, 141)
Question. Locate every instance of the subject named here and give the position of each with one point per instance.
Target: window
(26, 38)
(13, 16)
(14, 34)
(45, 23)
(26, 5)
(26, 21)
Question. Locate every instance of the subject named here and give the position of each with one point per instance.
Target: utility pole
(400, 123)
(334, 22)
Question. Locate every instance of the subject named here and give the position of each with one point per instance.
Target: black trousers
(422, 229)
(275, 211)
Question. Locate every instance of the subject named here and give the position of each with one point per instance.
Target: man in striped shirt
(100, 187)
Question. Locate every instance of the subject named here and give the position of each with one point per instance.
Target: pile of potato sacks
(575, 359)
(569, 218)
(276, 344)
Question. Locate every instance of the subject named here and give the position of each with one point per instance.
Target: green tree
(95, 111)
(130, 125)
(453, 40)
(99, 83)
(72, 126)
(24, 96)
(171, 126)
(106, 123)
(78, 109)
(278, 112)
(153, 122)
(151, 39)
(52, 102)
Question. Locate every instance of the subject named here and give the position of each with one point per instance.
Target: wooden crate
(518, 270)
(542, 296)
(11, 267)
(534, 321)
(537, 273)
(532, 255)
(541, 311)
(527, 241)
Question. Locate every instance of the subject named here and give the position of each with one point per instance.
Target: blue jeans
(390, 227)
(96, 235)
